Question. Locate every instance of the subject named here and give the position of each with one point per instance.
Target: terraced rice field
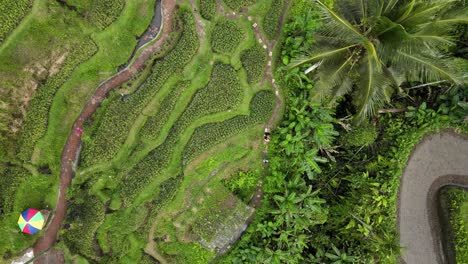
(151, 172)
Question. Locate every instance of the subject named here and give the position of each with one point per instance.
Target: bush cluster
(12, 12)
(99, 13)
(208, 135)
(254, 61)
(84, 219)
(223, 92)
(243, 184)
(10, 178)
(226, 36)
(237, 4)
(363, 135)
(457, 198)
(154, 124)
(133, 182)
(271, 21)
(35, 123)
(207, 9)
(118, 119)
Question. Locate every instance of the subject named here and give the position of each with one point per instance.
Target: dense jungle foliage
(331, 189)
(458, 217)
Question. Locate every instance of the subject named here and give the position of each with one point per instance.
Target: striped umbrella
(31, 221)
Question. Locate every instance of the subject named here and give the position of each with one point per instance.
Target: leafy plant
(120, 115)
(35, 123)
(226, 36)
(271, 21)
(237, 4)
(12, 12)
(363, 135)
(372, 47)
(254, 61)
(99, 13)
(207, 9)
(208, 135)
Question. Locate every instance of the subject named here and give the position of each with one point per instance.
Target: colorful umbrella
(31, 221)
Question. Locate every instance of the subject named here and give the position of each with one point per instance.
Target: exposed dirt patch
(57, 64)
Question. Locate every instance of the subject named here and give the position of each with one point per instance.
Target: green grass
(155, 170)
(99, 13)
(458, 217)
(271, 21)
(78, 89)
(12, 12)
(237, 4)
(207, 8)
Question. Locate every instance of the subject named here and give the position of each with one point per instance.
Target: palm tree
(370, 47)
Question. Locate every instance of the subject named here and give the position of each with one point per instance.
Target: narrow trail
(151, 248)
(72, 146)
(439, 160)
(268, 77)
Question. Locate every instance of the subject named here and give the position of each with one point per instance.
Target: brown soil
(71, 148)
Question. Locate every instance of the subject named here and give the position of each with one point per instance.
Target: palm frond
(406, 11)
(372, 92)
(425, 11)
(318, 56)
(333, 79)
(389, 5)
(434, 68)
(335, 25)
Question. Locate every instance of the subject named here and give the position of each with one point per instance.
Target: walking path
(439, 160)
(71, 149)
(269, 46)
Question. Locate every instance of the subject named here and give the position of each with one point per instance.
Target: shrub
(237, 4)
(363, 135)
(207, 9)
(133, 182)
(254, 61)
(222, 93)
(12, 12)
(99, 13)
(10, 178)
(208, 135)
(243, 184)
(271, 21)
(83, 218)
(35, 123)
(118, 120)
(226, 36)
(458, 198)
(154, 124)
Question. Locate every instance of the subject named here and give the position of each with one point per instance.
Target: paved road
(439, 160)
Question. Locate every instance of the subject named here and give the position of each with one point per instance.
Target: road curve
(439, 160)
(72, 146)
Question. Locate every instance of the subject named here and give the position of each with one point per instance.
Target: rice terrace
(234, 131)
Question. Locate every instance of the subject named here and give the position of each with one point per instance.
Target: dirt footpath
(439, 160)
(72, 146)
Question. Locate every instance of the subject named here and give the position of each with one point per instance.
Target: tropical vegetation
(371, 49)
(264, 131)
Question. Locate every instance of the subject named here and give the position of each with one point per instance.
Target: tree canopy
(369, 48)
